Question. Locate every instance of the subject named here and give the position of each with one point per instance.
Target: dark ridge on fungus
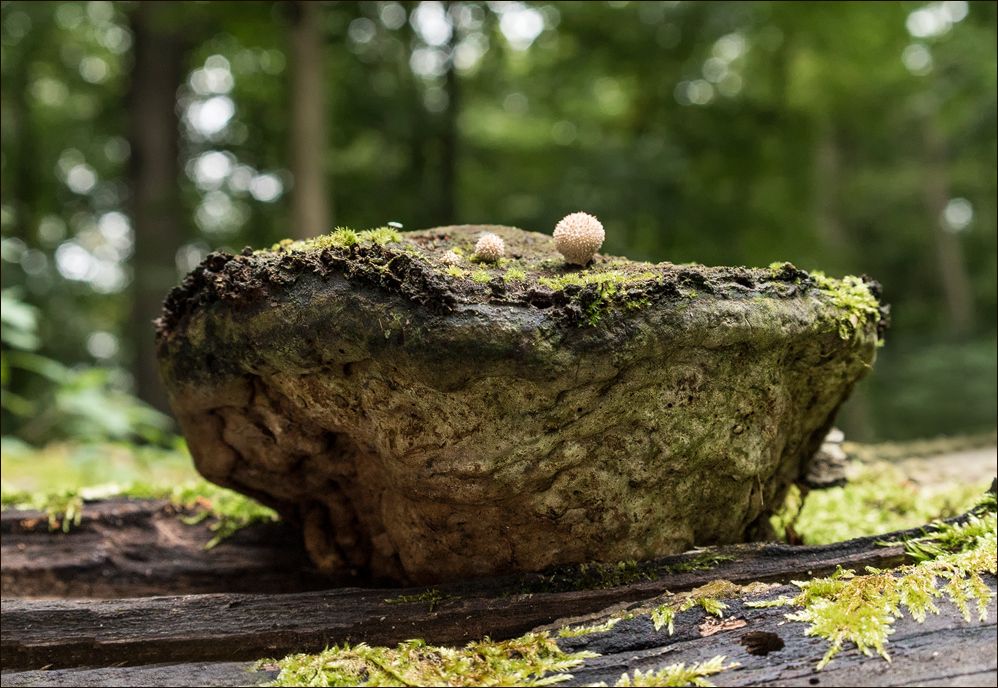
(412, 268)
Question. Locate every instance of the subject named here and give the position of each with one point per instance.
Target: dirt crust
(426, 421)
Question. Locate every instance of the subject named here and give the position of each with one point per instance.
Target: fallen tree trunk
(140, 547)
(228, 627)
(944, 650)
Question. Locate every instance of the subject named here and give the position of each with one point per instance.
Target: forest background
(845, 137)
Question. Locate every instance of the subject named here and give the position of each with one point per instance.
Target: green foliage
(18, 321)
(86, 403)
(434, 597)
(481, 275)
(706, 180)
(877, 499)
(678, 674)
(454, 271)
(514, 273)
(862, 608)
(530, 660)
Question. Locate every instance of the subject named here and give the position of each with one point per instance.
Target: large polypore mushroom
(426, 427)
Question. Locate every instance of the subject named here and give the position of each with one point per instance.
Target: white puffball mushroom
(578, 236)
(490, 248)
(450, 258)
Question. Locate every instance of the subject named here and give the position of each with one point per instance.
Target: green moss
(230, 510)
(574, 631)
(434, 597)
(341, 237)
(454, 271)
(877, 499)
(701, 562)
(664, 615)
(705, 597)
(677, 674)
(583, 278)
(532, 659)
(853, 297)
(481, 275)
(514, 273)
(64, 508)
(862, 608)
(381, 235)
(601, 576)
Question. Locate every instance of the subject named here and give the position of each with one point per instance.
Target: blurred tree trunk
(826, 197)
(952, 269)
(22, 143)
(153, 172)
(311, 206)
(449, 138)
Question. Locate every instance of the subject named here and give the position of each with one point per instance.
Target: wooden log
(135, 548)
(773, 651)
(138, 547)
(769, 650)
(216, 627)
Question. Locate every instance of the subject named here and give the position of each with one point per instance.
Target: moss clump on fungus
(341, 237)
(852, 295)
(862, 608)
(514, 273)
(230, 510)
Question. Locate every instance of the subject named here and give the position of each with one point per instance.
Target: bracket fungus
(423, 424)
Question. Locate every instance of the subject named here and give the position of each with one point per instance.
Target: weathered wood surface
(227, 627)
(132, 548)
(945, 650)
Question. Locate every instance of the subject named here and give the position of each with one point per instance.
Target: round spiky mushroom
(450, 258)
(578, 236)
(490, 248)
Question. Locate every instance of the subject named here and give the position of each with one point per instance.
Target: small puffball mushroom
(490, 248)
(450, 258)
(578, 236)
